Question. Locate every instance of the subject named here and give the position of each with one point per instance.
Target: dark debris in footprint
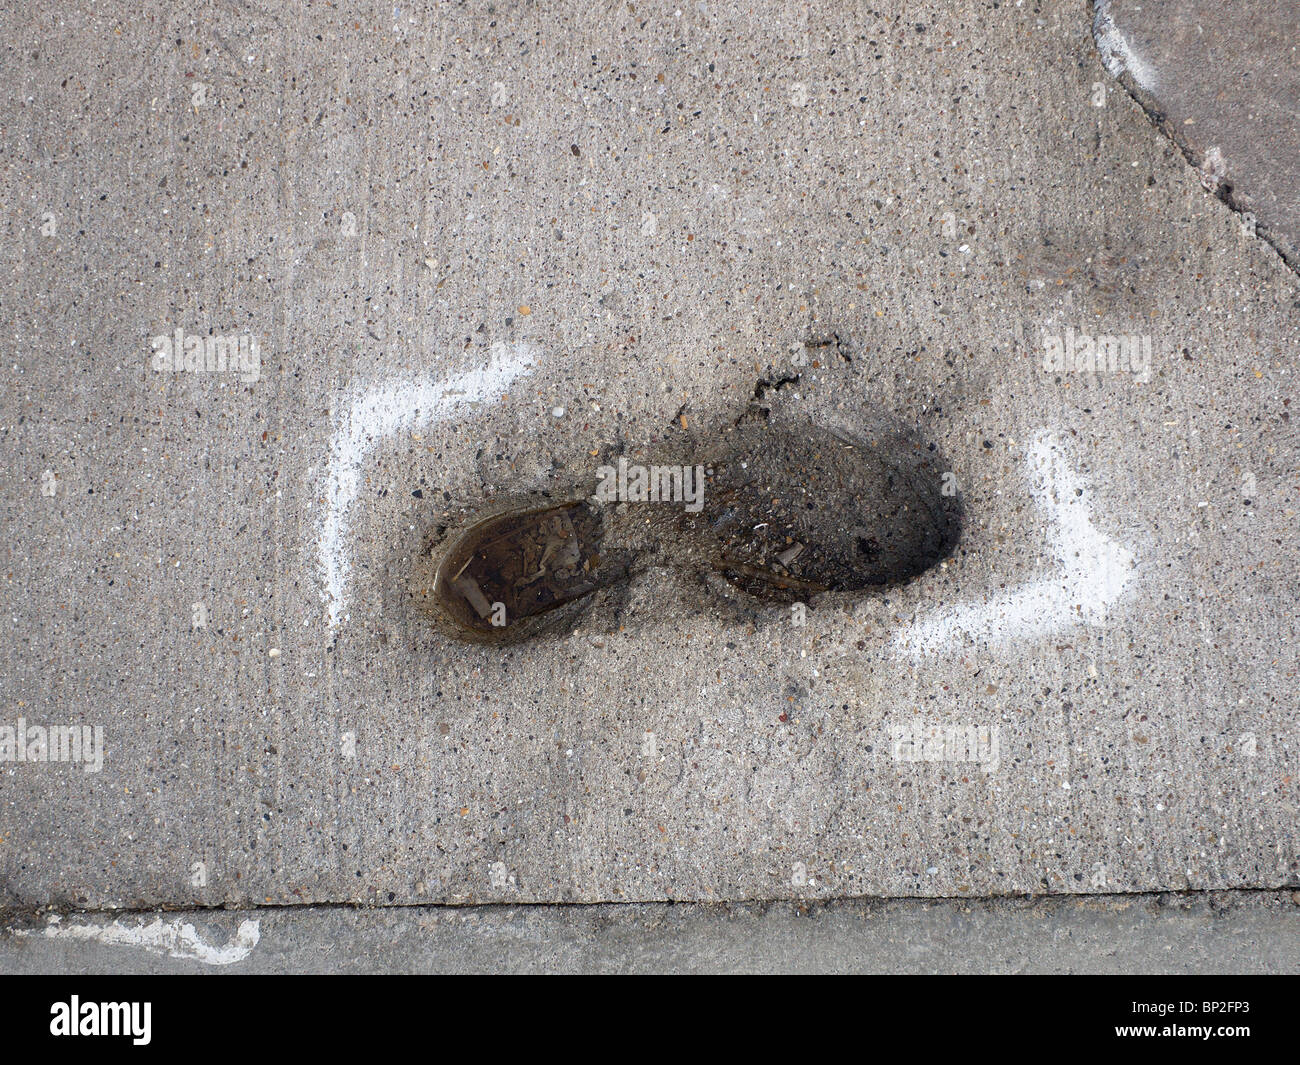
(788, 513)
(796, 513)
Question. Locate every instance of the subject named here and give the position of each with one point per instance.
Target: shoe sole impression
(781, 513)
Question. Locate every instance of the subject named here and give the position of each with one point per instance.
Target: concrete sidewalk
(445, 254)
(1219, 933)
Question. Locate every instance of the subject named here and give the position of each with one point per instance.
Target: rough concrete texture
(1227, 90)
(479, 244)
(1255, 932)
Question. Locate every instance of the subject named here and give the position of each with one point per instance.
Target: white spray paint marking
(1094, 573)
(383, 411)
(1116, 52)
(172, 938)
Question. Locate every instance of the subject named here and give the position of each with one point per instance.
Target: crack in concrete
(11, 919)
(1136, 78)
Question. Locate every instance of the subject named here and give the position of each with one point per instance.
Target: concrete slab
(478, 248)
(1222, 933)
(1225, 90)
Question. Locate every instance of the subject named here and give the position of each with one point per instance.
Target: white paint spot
(1094, 573)
(500, 877)
(381, 412)
(172, 938)
(1213, 169)
(1116, 51)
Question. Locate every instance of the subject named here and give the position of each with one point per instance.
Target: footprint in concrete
(782, 511)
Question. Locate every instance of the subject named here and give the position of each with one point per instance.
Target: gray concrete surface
(478, 245)
(1218, 933)
(1224, 84)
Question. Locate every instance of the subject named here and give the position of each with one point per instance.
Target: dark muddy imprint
(795, 512)
(787, 513)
